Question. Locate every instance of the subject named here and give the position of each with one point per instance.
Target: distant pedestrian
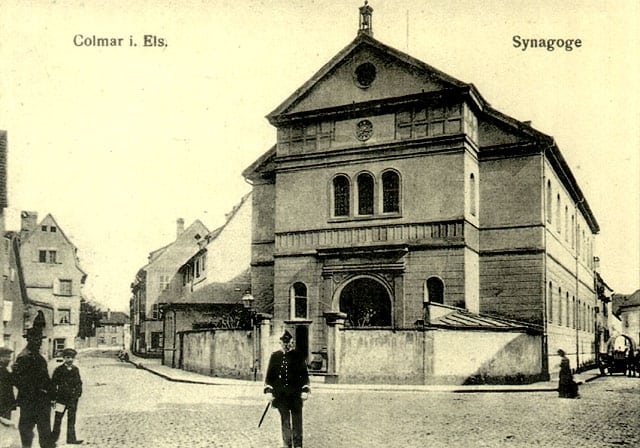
(31, 377)
(67, 387)
(287, 381)
(7, 398)
(567, 387)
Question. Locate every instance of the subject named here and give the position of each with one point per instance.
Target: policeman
(31, 377)
(287, 381)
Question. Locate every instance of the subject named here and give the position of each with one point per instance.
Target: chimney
(180, 227)
(108, 314)
(29, 221)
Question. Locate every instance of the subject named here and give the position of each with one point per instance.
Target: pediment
(366, 70)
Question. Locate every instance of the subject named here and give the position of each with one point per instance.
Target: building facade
(627, 308)
(395, 191)
(152, 279)
(208, 289)
(53, 278)
(110, 331)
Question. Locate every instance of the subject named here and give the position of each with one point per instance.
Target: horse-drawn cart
(620, 356)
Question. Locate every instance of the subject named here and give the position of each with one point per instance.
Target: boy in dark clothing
(67, 387)
(7, 399)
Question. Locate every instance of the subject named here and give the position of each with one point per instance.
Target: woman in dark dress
(567, 387)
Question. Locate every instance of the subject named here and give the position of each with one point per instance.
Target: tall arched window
(390, 192)
(365, 194)
(298, 294)
(566, 223)
(472, 194)
(573, 232)
(549, 195)
(568, 308)
(550, 304)
(435, 290)
(341, 194)
(558, 222)
(560, 316)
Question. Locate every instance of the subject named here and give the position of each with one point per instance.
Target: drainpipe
(576, 311)
(545, 340)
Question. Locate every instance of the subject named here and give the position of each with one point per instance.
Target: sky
(118, 142)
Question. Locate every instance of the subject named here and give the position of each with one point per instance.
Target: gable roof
(362, 39)
(625, 301)
(117, 318)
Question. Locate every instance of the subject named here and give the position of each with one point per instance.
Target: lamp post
(247, 302)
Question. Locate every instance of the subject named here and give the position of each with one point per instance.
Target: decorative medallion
(364, 130)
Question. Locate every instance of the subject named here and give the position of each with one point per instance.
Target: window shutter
(56, 286)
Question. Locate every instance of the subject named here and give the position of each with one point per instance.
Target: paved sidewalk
(155, 366)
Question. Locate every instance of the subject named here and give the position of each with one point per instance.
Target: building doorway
(302, 340)
(366, 302)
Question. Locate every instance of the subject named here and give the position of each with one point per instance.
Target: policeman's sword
(264, 413)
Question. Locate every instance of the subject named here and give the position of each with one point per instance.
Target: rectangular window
(305, 138)
(65, 287)
(156, 340)
(64, 317)
(58, 345)
(53, 229)
(164, 282)
(155, 314)
(421, 121)
(114, 341)
(52, 256)
(43, 228)
(101, 340)
(42, 256)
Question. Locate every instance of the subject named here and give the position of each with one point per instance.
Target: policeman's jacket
(31, 377)
(67, 384)
(287, 377)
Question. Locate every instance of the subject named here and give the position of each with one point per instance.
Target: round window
(365, 74)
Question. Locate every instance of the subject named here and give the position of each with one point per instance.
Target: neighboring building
(627, 308)
(16, 306)
(208, 288)
(152, 279)
(395, 194)
(606, 321)
(53, 278)
(110, 330)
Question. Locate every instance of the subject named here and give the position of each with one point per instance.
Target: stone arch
(367, 300)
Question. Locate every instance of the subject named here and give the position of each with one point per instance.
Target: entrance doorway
(302, 340)
(366, 302)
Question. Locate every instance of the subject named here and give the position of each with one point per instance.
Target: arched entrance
(366, 302)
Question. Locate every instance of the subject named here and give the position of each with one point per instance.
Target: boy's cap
(69, 352)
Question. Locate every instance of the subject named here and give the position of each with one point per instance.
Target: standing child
(7, 399)
(67, 387)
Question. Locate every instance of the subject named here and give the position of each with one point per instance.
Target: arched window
(472, 194)
(560, 306)
(390, 192)
(568, 307)
(341, 194)
(558, 222)
(435, 290)
(549, 195)
(550, 304)
(573, 232)
(365, 194)
(566, 223)
(298, 293)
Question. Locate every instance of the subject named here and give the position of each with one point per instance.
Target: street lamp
(248, 300)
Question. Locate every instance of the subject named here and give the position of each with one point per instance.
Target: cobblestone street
(127, 407)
